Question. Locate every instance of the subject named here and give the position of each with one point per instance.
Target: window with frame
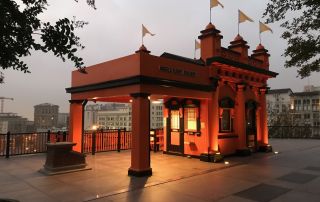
(225, 121)
(190, 119)
(175, 120)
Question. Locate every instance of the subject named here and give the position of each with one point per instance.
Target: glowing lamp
(226, 163)
(94, 127)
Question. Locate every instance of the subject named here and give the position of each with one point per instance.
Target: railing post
(48, 136)
(124, 138)
(8, 145)
(119, 140)
(64, 136)
(93, 142)
(58, 136)
(155, 149)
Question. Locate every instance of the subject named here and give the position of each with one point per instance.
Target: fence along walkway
(28, 143)
(101, 141)
(294, 132)
(106, 140)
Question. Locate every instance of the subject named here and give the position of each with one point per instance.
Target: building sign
(177, 71)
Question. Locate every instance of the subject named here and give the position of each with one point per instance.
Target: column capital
(76, 101)
(214, 82)
(241, 87)
(142, 95)
(263, 90)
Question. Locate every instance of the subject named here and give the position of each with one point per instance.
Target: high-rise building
(46, 116)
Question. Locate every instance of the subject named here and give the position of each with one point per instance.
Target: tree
(302, 32)
(22, 31)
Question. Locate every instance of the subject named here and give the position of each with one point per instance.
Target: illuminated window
(175, 120)
(190, 119)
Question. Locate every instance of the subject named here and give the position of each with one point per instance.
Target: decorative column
(258, 125)
(240, 122)
(140, 152)
(213, 154)
(258, 117)
(213, 121)
(265, 147)
(76, 123)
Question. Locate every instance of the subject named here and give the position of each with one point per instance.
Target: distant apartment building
(118, 116)
(115, 118)
(63, 120)
(294, 108)
(306, 108)
(156, 115)
(46, 116)
(11, 122)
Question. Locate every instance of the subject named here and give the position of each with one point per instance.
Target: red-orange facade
(213, 105)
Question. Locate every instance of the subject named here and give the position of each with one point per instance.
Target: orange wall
(138, 64)
(200, 142)
(150, 67)
(107, 71)
(228, 146)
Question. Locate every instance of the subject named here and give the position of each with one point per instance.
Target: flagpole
(210, 14)
(238, 21)
(259, 36)
(195, 49)
(259, 32)
(142, 35)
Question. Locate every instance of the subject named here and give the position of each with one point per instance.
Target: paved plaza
(291, 175)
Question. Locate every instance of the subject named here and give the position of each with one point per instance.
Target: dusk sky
(114, 31)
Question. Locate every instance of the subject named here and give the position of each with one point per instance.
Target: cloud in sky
(114, 31)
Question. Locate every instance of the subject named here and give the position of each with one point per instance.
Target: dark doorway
(251, 125)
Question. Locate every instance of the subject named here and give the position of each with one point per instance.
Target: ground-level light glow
(226, 162)
(276, 152)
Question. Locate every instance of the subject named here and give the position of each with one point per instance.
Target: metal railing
(312, 132)
(28, 143)
(106, 140)
(93, 141)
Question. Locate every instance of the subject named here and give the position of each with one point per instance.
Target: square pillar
(264, 122)
(76, 123)
(140, 152)
(213, 121)
(240, 121)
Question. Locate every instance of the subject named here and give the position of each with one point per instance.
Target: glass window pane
(175, 119)
(226, 121)
(190, 119)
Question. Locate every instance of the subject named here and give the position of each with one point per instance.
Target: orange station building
(214, 105)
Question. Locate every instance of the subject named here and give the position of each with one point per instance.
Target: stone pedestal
(61, 159)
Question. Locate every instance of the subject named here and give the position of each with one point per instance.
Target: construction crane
(2, 102)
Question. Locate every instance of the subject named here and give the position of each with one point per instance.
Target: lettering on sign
(177, 71)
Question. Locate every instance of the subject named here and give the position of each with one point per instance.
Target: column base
(243, 152)
(214, 158)
(265, 148)
(140, 173)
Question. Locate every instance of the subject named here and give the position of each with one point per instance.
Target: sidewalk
(291, 175)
